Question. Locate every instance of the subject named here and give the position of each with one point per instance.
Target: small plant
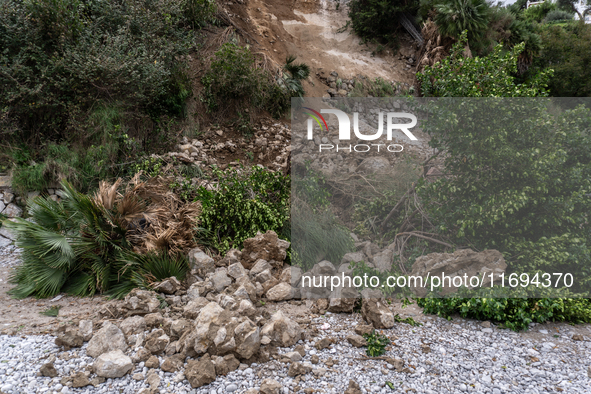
(408, 320)
(376, 344)
(52, 311)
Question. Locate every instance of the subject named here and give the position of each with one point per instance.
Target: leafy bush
(566, 51)
(513, 313)
(80, 73)
(378, 20)
(376, 344)
(539, 12)
(244, 202)
(235, 79)
(377, 87)
(524, 185)
(558, 15)
(490, 76)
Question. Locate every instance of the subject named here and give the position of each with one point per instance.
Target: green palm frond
(455, 16)
(299, 71)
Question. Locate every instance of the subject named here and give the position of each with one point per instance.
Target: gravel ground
(440, 357)
(462, 357)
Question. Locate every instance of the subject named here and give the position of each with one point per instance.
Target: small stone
(324, 343)
(48, 370)
(353, 388)
(270, 386)
(357, 340)
(79, 379)
(362, 329)
(314, 359)
(485, 324)
(152, 362)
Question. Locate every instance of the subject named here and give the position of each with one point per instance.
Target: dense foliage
(566, 51)
(378, 19)
(490, 76)
(244, 202)
(513, 313)
(59, 57)
(455, 16)
(92, 77)
(234, 78)
(522, 181)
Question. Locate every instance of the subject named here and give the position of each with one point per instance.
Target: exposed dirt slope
(309, 29)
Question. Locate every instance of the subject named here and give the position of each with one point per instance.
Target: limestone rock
(282, 330)
(172, 364)
(296, 369)
(353, 388)
(168, 286)
(133, 325)
(225, 365)
(461, 262)
(324, 343)
(79, 379)
(200, 261)
(377, 313)
(362, 329)
(357, 340)
(200, 372)
(69, 338)
(194, 307)
(270, 386)
(259, 266)
(264, 246)
(113, 364)
(48, 370)
(221, 280)
(156, 341)
(85, 329)
(281, 292)
(236, 270)
(108, 338)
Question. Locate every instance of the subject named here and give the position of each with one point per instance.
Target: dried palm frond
(154, 217)
(106, 194)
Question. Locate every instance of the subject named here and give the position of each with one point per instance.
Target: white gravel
(463, 358)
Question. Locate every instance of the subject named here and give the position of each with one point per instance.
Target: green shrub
(234, 80)
(376, 344)
(377, 87)
(82, 169)
(245, 201)
(539, 12)
(513, 313)
(378, 20)
(558, 15)
(490, 76)
(566, 51)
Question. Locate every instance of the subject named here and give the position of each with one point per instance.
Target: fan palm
(83, 245)
(455, 16)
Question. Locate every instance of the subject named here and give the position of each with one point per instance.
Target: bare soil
(20, 317)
